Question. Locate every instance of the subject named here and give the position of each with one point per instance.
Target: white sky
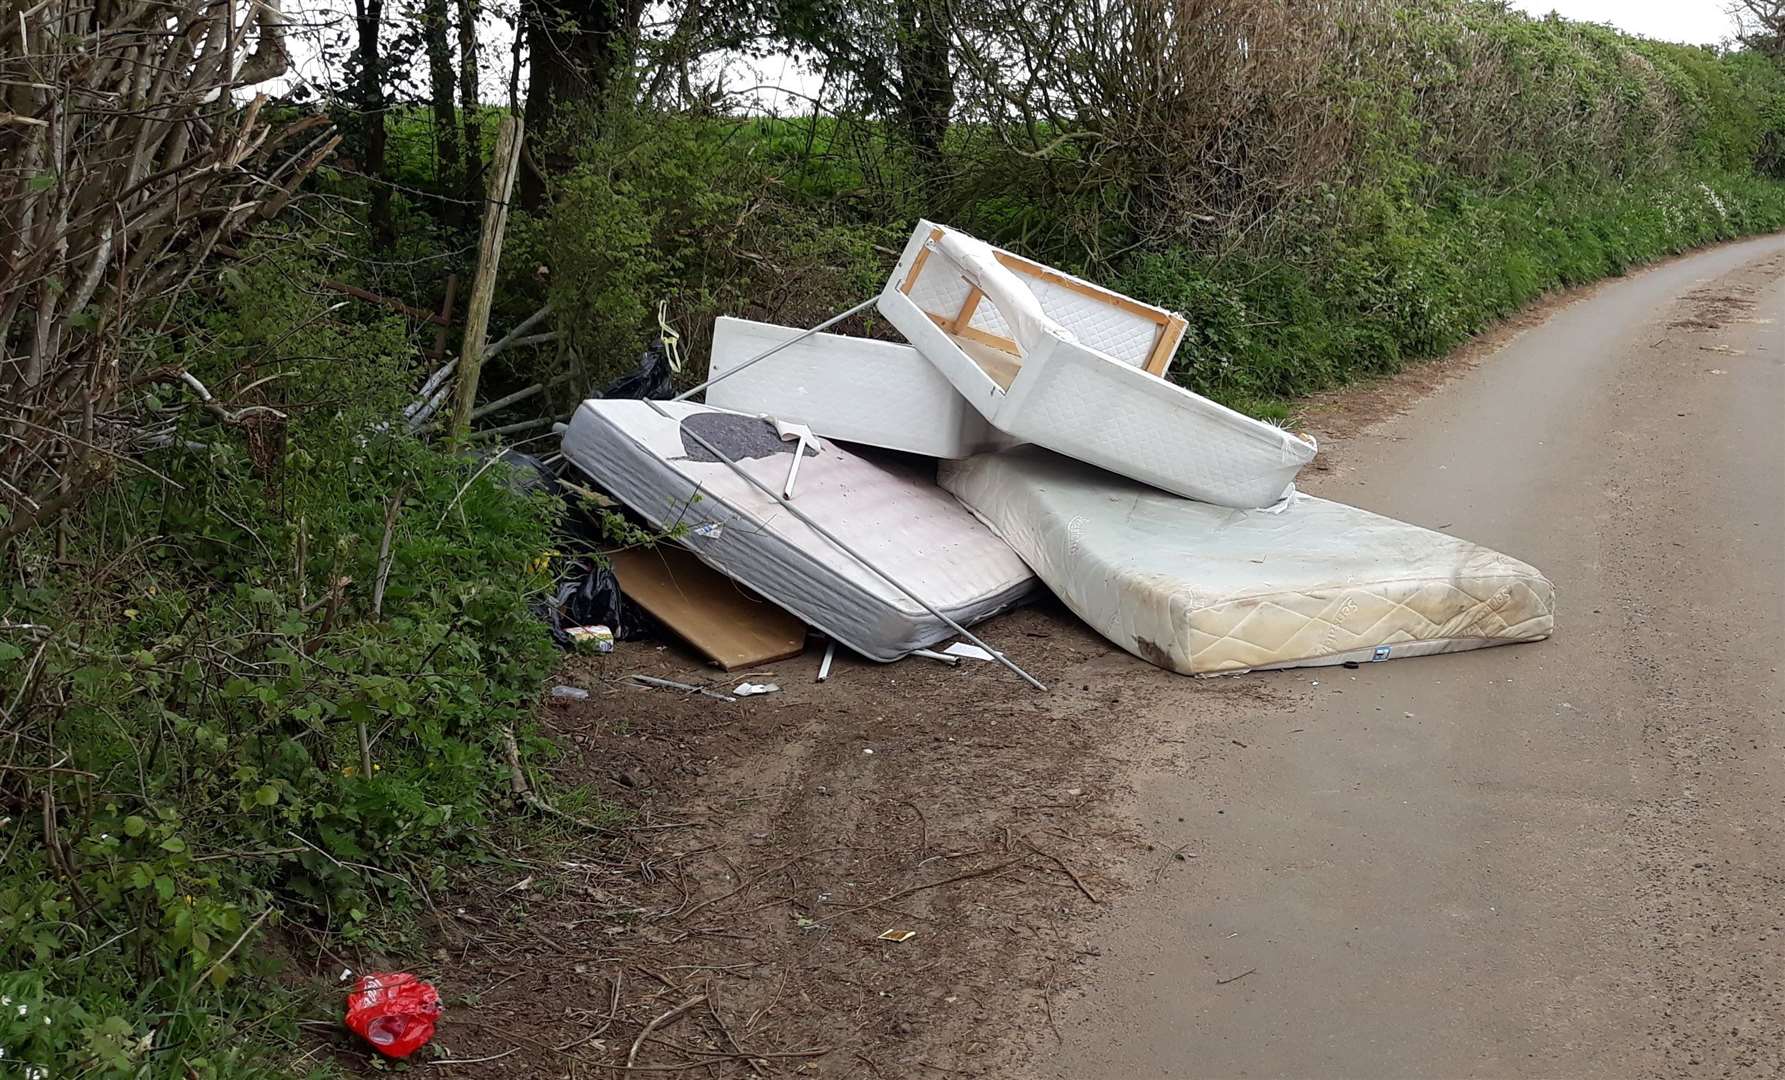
(1695, 22)
(1703, 22)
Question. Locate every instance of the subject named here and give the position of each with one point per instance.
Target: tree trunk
(440, 91)
(369, 16)
(576, 50)
(926, 82)
(468, 75)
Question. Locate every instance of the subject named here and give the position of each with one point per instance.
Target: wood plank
(974, 333)
(1084, 288)
(968, 307)
(1165, 346)
(923, 255)
(722, 619)
(1001, 368)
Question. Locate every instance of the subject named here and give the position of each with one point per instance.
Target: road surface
(1564, 859)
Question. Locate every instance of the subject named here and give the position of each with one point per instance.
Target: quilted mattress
(878, 393)
(1052, 360)
(1206, 590)
(890, 511)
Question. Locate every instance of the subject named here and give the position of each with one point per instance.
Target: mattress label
(1380, 654)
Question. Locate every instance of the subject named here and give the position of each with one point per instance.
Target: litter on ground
(889, 495)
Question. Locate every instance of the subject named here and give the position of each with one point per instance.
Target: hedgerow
(197, 677)
(236, 725)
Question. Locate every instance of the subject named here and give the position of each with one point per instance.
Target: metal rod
(932, 654)
(773, 349)
(845, 548)
(824, 666)
(671, 684)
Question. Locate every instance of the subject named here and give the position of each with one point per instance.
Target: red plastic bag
(393, 1012)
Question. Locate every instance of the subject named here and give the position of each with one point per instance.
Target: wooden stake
(452, 295)
(483, 285)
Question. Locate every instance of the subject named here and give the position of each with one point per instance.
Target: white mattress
(878, 393)
(1205, 590)
(1078, 387)
(890, 511)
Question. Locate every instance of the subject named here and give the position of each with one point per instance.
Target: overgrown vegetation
(256, 678)
(198, 682)
(1329, 190)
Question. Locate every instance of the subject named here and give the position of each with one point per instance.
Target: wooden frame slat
(923, 255)
(1170, 331)
(968, 307)
(974, 333)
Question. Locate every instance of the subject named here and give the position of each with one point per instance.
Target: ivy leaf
(266, 795)
(135, 826)
(173, 844)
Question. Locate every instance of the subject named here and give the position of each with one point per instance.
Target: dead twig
(667, 1018)
(476, 1060)
(902, 893)
(231, 951)
(1061, 863)
(517, 780)
(777, 868)
(384, 552)
(1176, 853)
(725, 1029)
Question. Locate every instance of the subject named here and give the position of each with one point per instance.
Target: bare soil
(744, 920)
(740, 924)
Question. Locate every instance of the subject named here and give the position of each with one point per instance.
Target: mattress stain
(737, 437)
(1153, 654)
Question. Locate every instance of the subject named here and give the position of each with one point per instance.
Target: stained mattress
(889, 510)
(1205, 590)
(877, 393)
(1055, 361)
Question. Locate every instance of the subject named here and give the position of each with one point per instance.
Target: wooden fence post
(504, 164)
(452, 295)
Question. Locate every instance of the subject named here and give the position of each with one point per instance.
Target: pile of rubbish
(889, 496)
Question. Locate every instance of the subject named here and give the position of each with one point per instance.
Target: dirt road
(1565, 859)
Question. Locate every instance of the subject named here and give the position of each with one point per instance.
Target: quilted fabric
(941, 291)
(1076, 398)
(886, 508)
(1144, 428)
(877, 393)
(1114, 331)
(1203, 589)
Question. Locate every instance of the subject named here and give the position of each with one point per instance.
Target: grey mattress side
(734, 543)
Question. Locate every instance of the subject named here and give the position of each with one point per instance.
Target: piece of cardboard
(722, 619)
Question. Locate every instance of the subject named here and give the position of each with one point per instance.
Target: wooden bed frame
(1165, 339)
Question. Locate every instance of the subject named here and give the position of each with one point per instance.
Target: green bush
(192, 678)
(1417, 281)
(690, 212)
